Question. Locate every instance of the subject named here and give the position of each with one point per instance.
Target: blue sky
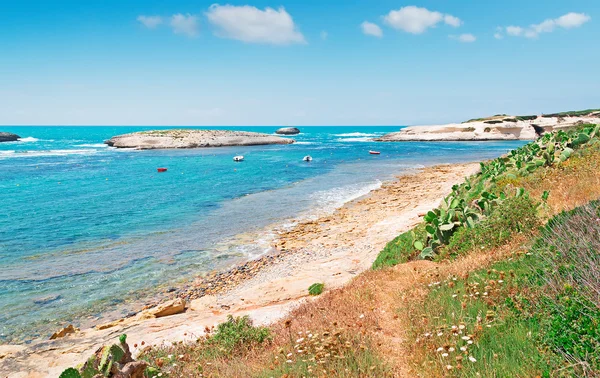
(292, 62)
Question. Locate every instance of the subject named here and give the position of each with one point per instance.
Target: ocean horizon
(88, 230)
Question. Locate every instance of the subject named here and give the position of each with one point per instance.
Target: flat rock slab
(165, 139)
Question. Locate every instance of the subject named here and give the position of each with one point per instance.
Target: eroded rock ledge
(501, 127)
(163, 139)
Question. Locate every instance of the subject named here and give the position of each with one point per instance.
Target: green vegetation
(510, 119)
(316, 289)
(402, 248)
(576, 113)
(110, 361)
(326, 354)
(486, 208)
(494, 121)
(536, 314)
(237, 334)
(526, 118)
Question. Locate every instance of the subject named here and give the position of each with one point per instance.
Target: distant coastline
(498, 127)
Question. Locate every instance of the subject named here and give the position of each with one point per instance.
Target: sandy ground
(332, 250)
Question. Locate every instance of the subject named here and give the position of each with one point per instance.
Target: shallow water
(85, 228)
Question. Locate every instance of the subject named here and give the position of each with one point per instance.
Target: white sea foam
(336, 197)
(28, 140)
(94, 145)
(26, 154)
(357, 135)
(364, 139)
(304, 143)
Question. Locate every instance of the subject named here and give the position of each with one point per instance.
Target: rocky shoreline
(500, 127)
(332, 249)
(192, 138)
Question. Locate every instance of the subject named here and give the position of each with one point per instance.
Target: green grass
(401, 249)
(316, 289)
(535, 314)
(327, 354)
(515, 215)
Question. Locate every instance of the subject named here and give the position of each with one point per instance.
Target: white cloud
(514, 31)
(150, 22)
(370, 28)
(567, 21)
(572, 20)
(324, 35)
(415, 20)
(250, 24)
(452, 21)
(185, 24)
(465, 38)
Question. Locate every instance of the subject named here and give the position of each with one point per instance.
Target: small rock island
(9, 137)
(192, 138)
(288, 131)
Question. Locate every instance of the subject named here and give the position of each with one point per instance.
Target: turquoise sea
(86, 229)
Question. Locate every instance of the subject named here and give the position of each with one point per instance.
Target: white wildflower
(472, 359)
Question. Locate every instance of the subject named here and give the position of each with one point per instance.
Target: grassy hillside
(502, 280)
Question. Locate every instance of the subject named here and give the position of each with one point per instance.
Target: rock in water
(288, 131)
(190, 138)
(8, 137)
(64, 332)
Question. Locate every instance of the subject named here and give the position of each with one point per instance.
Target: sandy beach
(332, 249)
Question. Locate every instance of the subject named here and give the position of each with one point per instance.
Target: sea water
(86, 228)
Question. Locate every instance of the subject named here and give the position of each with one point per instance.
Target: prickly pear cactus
(89, 369)
(110, 355)
(70, 373)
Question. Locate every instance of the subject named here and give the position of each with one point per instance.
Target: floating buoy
(162, 169)
(307, 158)
(238, 158)
(375, 152)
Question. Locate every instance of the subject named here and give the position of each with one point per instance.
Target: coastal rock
(64, 332)
(109, 325)
(8, 137)
(172, 307)
(168, 139)
(501, 127)
(288, 131)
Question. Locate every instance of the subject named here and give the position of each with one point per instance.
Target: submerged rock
(288, 131)
(9, 137)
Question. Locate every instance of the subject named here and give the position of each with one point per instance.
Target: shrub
(493, 122)
(316, 289)
(514, 215)
(401, 249)
(510, 120)
(237, 334)
(526, 118)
